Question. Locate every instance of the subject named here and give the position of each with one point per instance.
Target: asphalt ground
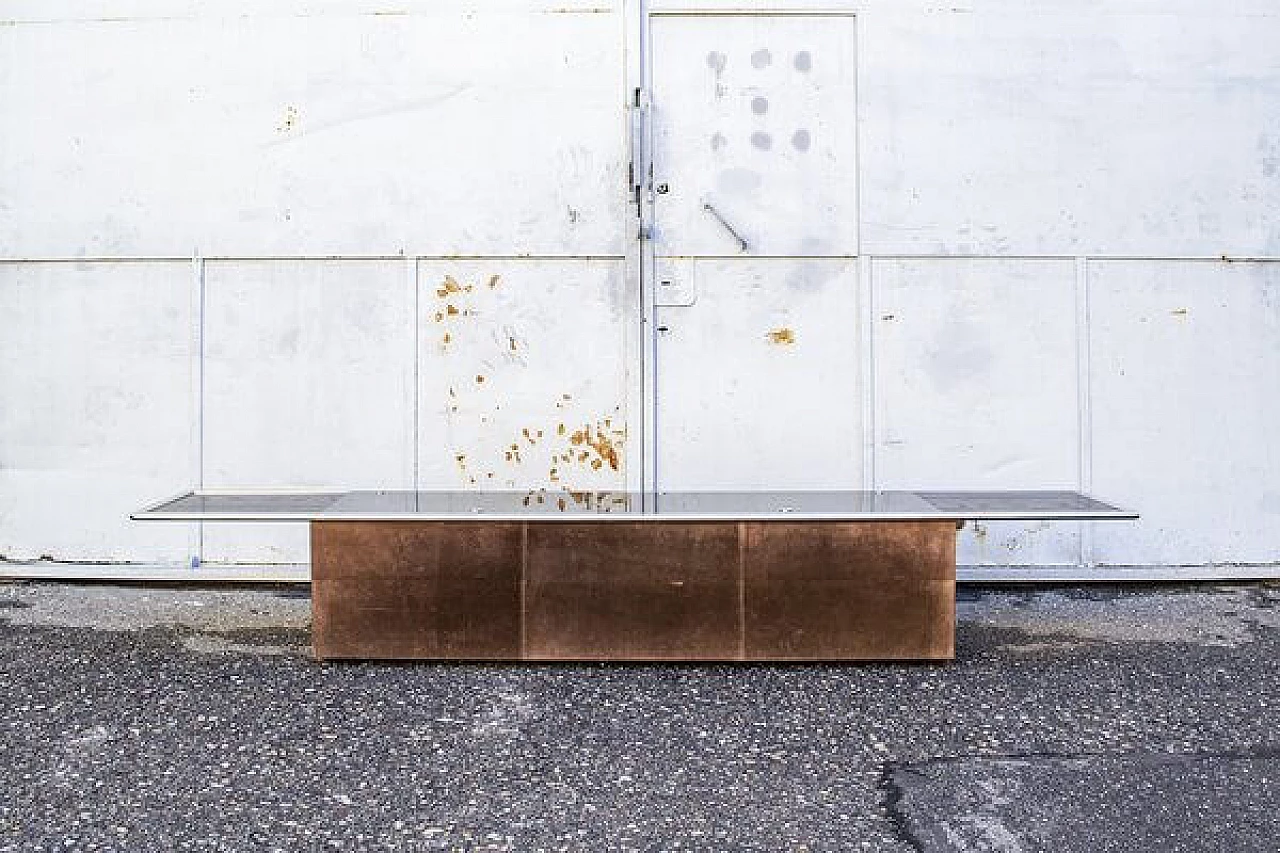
(1073, 719)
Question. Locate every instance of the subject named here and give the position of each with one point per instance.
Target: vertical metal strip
(1084, 403)
(648, 319)
(858, 126)
(197, 385)
(411, 281)
(637, 453)
(867, 330)
(866, 284)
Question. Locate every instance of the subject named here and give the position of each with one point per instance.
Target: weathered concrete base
(644, 591)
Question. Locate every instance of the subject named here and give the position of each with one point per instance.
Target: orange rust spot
(600, 443)
(449, 286)
(447, 338)
(784, 337)
(596, 463)
(450, 310)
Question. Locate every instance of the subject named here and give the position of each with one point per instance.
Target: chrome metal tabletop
(542, 505)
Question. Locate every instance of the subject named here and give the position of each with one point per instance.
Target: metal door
(751, 243)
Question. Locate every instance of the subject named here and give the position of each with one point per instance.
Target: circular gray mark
(800, 140)
(803, 61)
(763, 141)
(716, 61)
(718, 141)
(761, 58)
(759, 105)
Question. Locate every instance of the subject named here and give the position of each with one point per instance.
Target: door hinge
(638, 172)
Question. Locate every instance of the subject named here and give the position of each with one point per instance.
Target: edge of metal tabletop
(572, 506)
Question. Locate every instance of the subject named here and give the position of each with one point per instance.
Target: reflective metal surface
(627, 506)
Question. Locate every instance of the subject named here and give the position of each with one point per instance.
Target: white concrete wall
(227, 234)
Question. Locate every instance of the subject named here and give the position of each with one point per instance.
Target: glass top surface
(545, 505)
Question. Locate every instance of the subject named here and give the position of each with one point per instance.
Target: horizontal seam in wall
(1258, 259)
(224, 258)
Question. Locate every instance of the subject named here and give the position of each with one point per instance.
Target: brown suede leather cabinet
(823, 576)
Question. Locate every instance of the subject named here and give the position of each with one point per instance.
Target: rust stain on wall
(451, 285)
(607, 444)
(781, 337)
(562, 448)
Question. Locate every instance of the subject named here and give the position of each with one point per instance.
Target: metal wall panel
(1076, 134)
(1186, 409)
(56, 11)
(994, 128)
(524, 375)
(484, 133)
(308, 383)
(96, 408)
(975, 365)
(755, 135)
(758, 381)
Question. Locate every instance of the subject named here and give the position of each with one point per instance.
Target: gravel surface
(1092, 719)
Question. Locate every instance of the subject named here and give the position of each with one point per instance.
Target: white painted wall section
(231, 233)
(976, 389)
(1186, 409)
(97, 408)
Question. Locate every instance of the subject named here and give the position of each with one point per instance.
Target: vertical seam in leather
(524, 583)
(742, 590)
